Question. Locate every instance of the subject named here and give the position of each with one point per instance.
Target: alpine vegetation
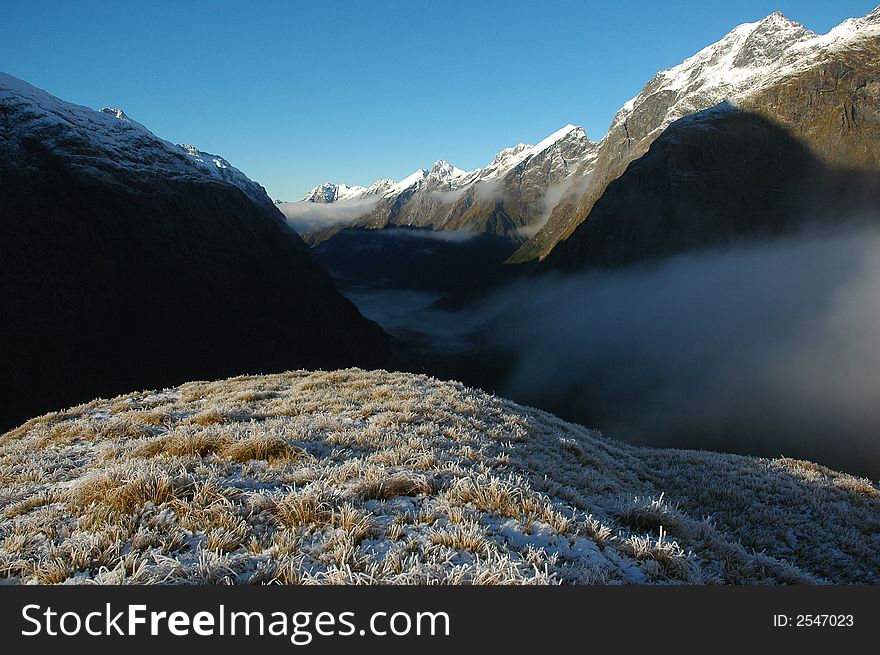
(353, 476)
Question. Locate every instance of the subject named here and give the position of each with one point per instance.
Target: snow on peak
(443, 170)
(508, 153)
(379, 187)
(114, 111)
(777, 18)
(510, 158)
(558, 135)
(409, 181)
(748, 57)
(443, 176)
(117, 146)
(745, 52)
(217, 163)
(325, 192)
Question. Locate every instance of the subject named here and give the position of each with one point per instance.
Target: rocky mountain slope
(372, 477)
(823, 89)
(716, 178)
(510, 197)
(126, 261)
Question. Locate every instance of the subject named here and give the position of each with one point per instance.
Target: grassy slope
(356, 476)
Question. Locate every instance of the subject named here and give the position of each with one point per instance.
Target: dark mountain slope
(415, 259)
(124, 263)
(712, 179)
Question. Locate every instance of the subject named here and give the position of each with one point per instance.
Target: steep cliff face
(127, 261)
(518, 203)
(822, 88)
(834, 107)
(711, 178)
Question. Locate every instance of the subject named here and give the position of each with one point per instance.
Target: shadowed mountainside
(413, 258)
(711, 179)
(126, 261)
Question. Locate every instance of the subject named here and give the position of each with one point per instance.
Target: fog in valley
(769, 349)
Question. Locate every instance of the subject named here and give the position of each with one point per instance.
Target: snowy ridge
(329, 192)
(108, 142)
(441, 196)
(443, 176)
(747, 58)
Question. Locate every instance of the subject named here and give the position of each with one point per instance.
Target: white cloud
(314, 216)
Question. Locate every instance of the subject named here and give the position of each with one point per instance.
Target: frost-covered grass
(372, 477)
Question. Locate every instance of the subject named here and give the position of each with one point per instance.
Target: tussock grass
(370, 477)
(266, 447)
(462, 536)
(209, 417)
(395, 485)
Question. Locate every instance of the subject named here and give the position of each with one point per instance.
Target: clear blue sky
(295, 93)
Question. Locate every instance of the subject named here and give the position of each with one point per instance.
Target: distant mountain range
(508, 197)
(820, 90)
(127, 261)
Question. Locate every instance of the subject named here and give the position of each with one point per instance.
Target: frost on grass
(372, 477)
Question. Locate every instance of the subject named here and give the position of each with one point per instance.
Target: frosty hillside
(403, 381)
(359, 476)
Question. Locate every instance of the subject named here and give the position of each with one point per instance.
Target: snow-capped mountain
(749, 67)
(329, 192)
(111, 142)
(514, 194)
(752, 56)
(508, 194)
(541, 193)
(441, 174)
(510, 158)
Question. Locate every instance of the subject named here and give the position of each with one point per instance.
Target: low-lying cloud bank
(768, 349)
(314, 216)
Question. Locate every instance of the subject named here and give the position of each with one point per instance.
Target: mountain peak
(574, 130)
(409, 181)
(326, 192)
(510, 152)
(121, 144)
(330, 192)
(443, 169)
(744, 58)
(777, 21)
(776, 17)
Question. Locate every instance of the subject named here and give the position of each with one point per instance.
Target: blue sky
(295, 93)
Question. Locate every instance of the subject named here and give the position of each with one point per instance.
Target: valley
(708, 171)
(390, 382)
